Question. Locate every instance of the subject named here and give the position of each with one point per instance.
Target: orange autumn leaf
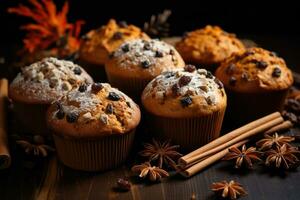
(50, 28)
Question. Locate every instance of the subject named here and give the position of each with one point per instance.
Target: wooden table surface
(49, 179)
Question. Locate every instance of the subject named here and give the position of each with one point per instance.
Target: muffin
(93, 127)
(98, 44)
(208, 47)
(137, 62)
(256, 82)
(38, 85)
(185, 105)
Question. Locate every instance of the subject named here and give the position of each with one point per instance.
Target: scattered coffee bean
(159, 54)
(72, 117)
(290, 116)
(145, 64)
(232, 81)
(189, 68)
(77, 71)
(117, 36)
(123, 184)
(186, 101)
(276, 72)
(82, 88)
(125, 48)
(113, 96)
(109, 109)
(184, 80)
(96, 87)
(261, 64)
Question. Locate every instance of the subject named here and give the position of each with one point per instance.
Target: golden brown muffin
(208, 46)
(38, 85)
(93, 126)
(98, 44)
(256, 82)
(137, 62)
(185, 105)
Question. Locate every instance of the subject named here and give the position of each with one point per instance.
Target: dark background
(273, 25)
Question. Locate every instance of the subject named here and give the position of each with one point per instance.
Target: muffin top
(255, 70)
(144, 58)
(93, 110)
(99, 43)
(184, 92)
(47, 80)
(208, 46)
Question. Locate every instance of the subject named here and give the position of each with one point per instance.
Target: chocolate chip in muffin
(72, 117)
(189, 68)
(203, 88)
(175, 89)
(125, 48)
(261, 64)
(219, 83)
(249, 52)
(117, 35)
(123, 24)
(109, 109)
(186, 101)
(147, 46)
(232, 81)
(168, 74)
(172, 52)
(209, 75)
(113, 96)
(82, 88)
(60, 114)
(184, 80)
(128, 104)
(245, 76)
(230, 69)
(96, 87)
(145, 64)
(276, 72)
(77, 71)
(209, 100)
(159, 54)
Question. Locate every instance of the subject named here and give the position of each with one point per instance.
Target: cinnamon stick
(5, 159)
(225, 143)
(280, 127)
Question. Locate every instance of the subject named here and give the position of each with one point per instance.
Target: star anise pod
(282, 157)
(231, 190)
(161, 152)
(37, 147)
(152, 172)
(243, 156)
(158, 25)
(274, 141)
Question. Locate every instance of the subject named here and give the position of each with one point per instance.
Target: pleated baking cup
(31, 118)
(97, 72)
(189, 133)
(133, 87)
(246, 107)
(97, 154)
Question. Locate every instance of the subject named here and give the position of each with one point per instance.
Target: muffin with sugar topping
(257, 81)
(185, 105)
(38, 85)
(208, 46)
(98, 44)
(137, 62)
(93, 127)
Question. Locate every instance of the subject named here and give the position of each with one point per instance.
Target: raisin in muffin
(256, 81)
(208, 47)
(98, 44)
(93, 127)
(137, 62)
(38, 85)
(185, 105)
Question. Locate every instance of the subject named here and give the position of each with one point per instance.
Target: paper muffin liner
(97, 72)
(189, 133)
(133, 87)
(246, 107)
(97, 154)
(31, 118)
